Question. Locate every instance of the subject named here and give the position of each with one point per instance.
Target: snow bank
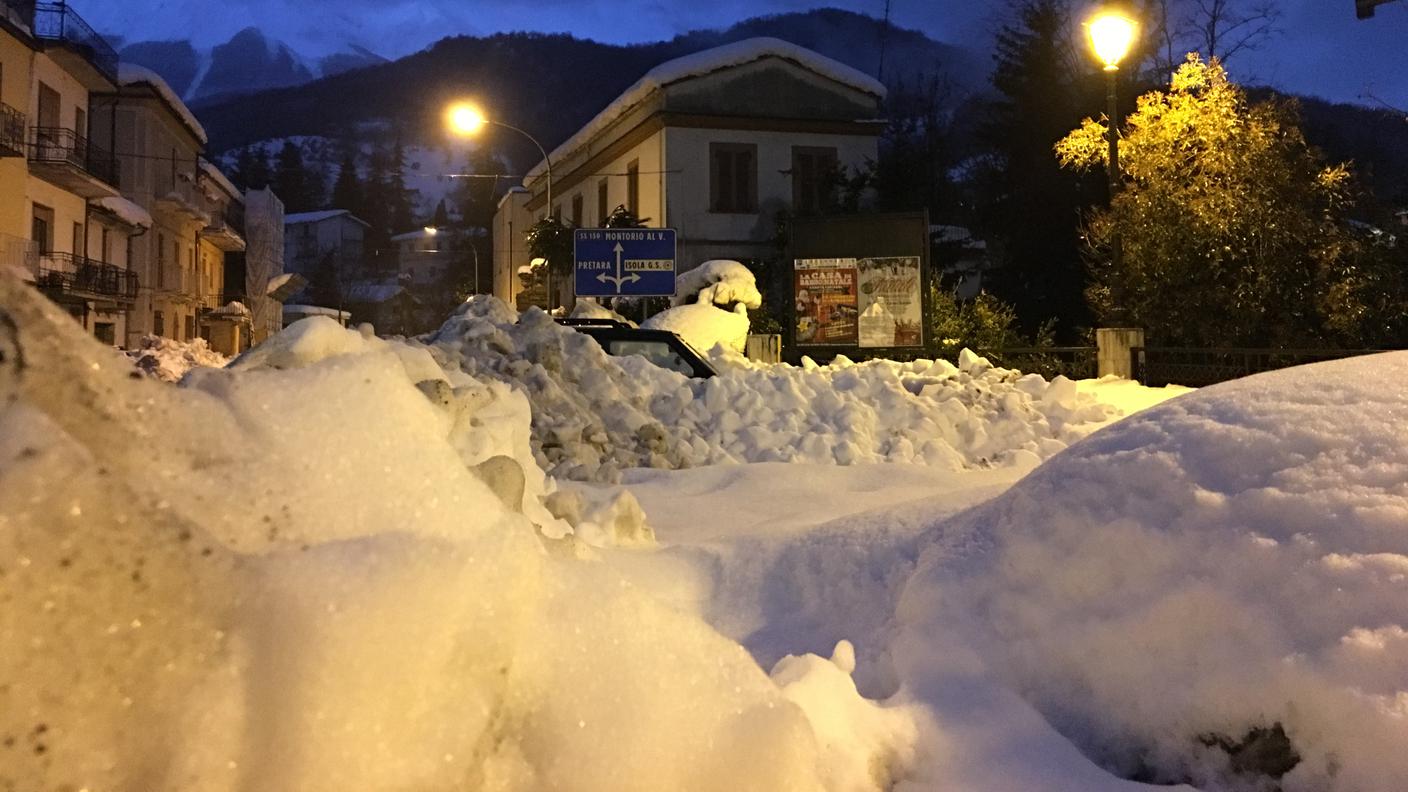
(168, 360)
(1212, 590)
(595, 415)
(588, 308)
(310, 588)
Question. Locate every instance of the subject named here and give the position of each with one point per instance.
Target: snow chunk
(168, 360)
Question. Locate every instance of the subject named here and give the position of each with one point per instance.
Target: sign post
(623, 262)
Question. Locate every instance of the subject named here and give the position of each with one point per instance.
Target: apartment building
(195, 213)
(63, 224)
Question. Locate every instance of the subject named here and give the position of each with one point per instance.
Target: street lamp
(1112, 34)
(467, 120)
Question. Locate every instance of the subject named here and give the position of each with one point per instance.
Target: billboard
(826, 304)
(859, 281)
(891, 302)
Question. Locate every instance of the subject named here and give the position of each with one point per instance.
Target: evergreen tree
(402, 199)
(376, 202)
(621, 217)
(477, 198)
(1029, 208)
(300, 187)
(442, 216)
(252, 170)
(347, 190)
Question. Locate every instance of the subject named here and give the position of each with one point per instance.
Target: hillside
(547, 83)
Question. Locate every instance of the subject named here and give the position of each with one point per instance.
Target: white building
(713, 144)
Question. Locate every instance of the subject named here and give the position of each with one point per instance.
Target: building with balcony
(60, 202)
(714, 145)
(196, 213)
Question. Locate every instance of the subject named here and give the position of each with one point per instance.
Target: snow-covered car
(661, 347)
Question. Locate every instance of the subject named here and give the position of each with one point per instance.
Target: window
(80, 122)
(48, 106)
(158, 323)
(733, 177)
(603, 208)
(813, 179)
(41, 229)
(160, 265)
(190, 328)
(78, 246)
(633, 186)
(105, 247)
(105, 332)
(577, 210)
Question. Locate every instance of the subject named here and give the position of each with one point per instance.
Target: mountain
(248, 63)
(551, 84)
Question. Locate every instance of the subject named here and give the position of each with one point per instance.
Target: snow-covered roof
(125, 210)
(211, 170)
(316, 310)
(132, 74)
(707, 62)
(319, 216)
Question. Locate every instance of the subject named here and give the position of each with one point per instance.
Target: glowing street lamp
(1112, 35)
(467, 120)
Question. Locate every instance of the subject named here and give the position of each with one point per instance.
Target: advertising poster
(891, 307)
(826, 302)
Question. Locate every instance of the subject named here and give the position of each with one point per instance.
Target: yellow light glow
(1111, 36)
(431, 230)
(465, 119)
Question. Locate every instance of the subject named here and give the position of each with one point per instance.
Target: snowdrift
(595, 415)
(1213, 590)
(321, 570)
(168, 360)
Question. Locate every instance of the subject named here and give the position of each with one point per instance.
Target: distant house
(389, 307)
(714, 145)
(333, 236)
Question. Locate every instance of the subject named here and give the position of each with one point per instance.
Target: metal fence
(70, 274)
(1075, 362)
(18, 255)
(65, 146)
(1194, 367)
(12, 126)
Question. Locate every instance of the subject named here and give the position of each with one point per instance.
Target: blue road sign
(624, 262)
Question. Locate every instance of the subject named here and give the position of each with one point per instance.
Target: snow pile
(704, 326)
(1215, 589)
(711, 306)
(595, 415)
(718, 282)
(309, 588)
(168, 360)
(588, 308)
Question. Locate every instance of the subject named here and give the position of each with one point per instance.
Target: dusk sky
(1323, 49)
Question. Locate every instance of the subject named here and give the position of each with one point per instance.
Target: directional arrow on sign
(619, 279)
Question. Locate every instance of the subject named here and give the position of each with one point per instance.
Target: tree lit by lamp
(1112, 35)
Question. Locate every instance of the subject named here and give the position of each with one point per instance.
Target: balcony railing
(60, 23)
(12, 124)
(78, 276)
(57, 145)
(19, 255)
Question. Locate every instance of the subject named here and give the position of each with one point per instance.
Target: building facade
(714, 145)
(180, 259)
(317, 239)
(63, 223)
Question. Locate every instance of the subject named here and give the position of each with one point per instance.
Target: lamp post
(466, 120)
(1111, 36)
